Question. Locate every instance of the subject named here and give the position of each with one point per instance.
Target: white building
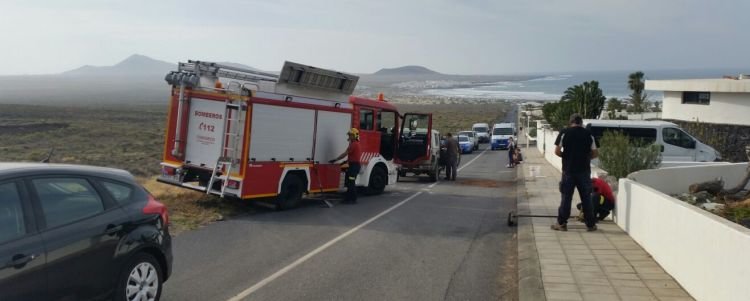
(725, 101)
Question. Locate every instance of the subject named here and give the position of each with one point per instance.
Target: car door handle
(112, 229)
(19, 260)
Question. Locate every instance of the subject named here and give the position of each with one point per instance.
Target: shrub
(619, 155)
(532, 132)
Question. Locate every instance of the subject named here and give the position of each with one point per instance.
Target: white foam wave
(486, 93)
(552, 78)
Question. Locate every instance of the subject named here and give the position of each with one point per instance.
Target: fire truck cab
(241, 133)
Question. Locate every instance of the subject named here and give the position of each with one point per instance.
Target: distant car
(501, 133)
(464, 142)
(472, 137)
(482, 130)
(71, 232)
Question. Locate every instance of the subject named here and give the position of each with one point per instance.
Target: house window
(697, 98)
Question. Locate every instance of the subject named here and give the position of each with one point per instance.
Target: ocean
(552, 86)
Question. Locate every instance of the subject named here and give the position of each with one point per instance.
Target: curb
(530, 286)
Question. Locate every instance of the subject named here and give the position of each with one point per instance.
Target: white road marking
(302, 259)
(331, 242)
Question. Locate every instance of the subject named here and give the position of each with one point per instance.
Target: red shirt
(353, 154)
(603, 188)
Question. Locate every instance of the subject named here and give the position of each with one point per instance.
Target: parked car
(426, 160)
(676, 144)
(465, 144)
(71, 232)
(472, 137)
(501, 132)
(482, 130)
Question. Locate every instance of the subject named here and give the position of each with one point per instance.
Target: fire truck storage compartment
(331, 135)
(205, 125)
(280, 133)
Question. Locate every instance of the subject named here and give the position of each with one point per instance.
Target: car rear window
(122, 193)
(66, 200)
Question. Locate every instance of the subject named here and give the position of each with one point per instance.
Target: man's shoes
(558, 227)
(453, 179)
(591, 229)
(447, 179)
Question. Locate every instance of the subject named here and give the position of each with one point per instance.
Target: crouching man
(601, 197)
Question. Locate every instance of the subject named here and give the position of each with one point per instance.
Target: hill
(406, 70)
(133, 65)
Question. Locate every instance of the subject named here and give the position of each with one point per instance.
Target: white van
(482, 130)
(501, 132)
(677, 145)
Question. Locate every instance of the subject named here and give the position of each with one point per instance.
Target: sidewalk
(579, 265)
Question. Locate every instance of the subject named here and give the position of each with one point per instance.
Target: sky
(362, 36)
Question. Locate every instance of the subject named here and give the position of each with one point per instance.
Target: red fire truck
(241, 133)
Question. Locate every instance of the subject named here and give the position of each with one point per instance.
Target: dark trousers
(602, 206)
(451, 167)
(570, 182)
(350, 182)
(511, 163)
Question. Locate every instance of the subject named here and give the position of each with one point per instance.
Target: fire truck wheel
(378, 180)
(291, 193)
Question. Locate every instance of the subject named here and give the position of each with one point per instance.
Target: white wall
(724, 108)
(644, 116)
(705, 253)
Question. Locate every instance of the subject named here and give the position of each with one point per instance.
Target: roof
(372, 103)
(8, 168)
(701, 85)
(620, 123)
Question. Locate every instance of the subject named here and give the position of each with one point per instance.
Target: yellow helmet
(354, 132)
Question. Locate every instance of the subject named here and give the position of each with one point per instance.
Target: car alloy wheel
(143, 283)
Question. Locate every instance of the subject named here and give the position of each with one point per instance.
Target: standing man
(511, 152)
(451, 149)
(576, 147)
(352, 155)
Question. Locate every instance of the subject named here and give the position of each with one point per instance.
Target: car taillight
(232, 184)
(169, 171)
(155, 207)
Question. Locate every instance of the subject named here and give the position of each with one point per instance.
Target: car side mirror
(661, 147)
(691, 144)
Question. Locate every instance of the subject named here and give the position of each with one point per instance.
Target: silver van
(677, 145)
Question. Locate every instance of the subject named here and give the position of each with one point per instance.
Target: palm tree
(636, 84)
(586, 99)
(613, 106)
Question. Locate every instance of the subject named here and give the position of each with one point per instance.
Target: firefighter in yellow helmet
(353, 156)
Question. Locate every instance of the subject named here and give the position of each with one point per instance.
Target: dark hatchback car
(71, 232)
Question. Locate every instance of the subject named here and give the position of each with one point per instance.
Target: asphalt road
(417, 241)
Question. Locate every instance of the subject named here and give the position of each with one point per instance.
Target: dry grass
(190, 209)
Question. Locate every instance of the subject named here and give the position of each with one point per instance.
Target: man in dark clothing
(576, 147)
(511, 151)
(452, 150)
(353, 156)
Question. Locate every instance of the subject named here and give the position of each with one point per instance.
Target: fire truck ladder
(231, 146)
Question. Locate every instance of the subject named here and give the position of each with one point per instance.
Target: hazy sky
(461, 37)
